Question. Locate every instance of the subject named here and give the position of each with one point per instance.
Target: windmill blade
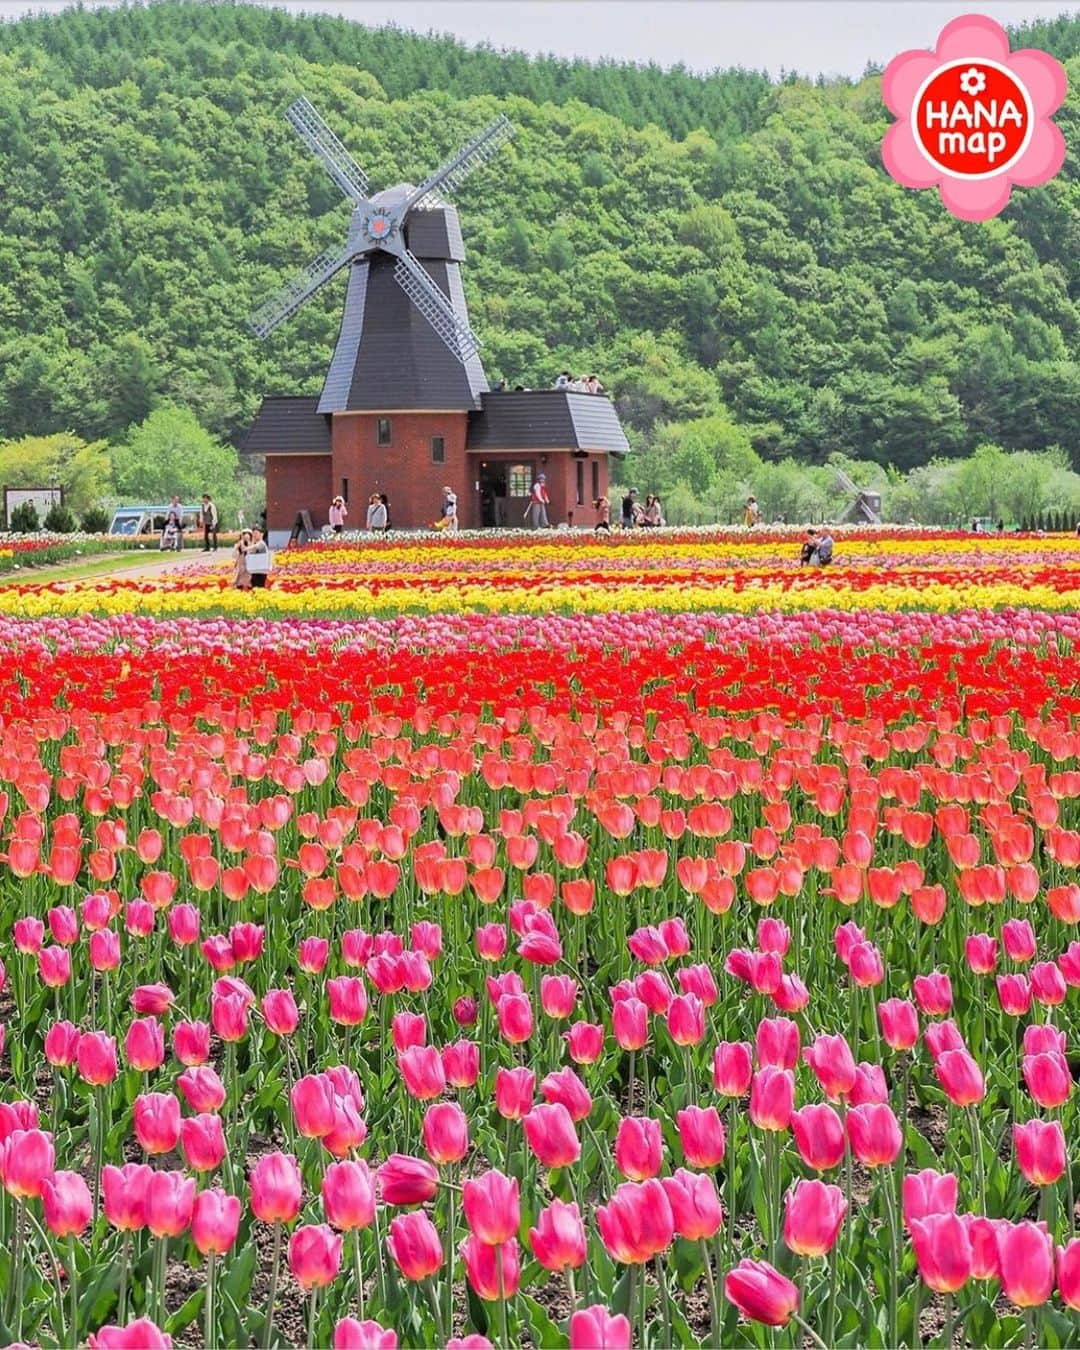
(288, 300)
(322, 142)
(453, 172)
(435, 307)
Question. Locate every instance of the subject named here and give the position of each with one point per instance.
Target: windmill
(864, 506)
(402, 248)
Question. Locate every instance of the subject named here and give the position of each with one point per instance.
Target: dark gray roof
(435, 234)
(388, 356)
(289, 425)
(546, 419)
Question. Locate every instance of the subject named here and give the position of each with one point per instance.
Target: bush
(23, 519)
(95, 521)
(60, 519)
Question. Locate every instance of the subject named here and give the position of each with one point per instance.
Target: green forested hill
(712, 246)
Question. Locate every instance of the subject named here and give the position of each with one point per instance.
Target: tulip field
(539, 941)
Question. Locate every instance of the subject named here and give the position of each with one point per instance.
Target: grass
(104, 564)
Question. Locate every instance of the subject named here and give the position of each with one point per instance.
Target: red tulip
(492, 1207)
(276, 1188)
(315, 1256)
(404, 1180)
(215, 1221)
(1025, 1262)
(761, 1293)
(488, 1279)
(415, 1245)
(695, 1205)
(558, 1240)
(596, 1329)
(813, 1213)
(68, 1205)
(942, 1250)
(819, 1136)
(636, 1223)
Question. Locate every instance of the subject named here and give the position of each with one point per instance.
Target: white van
(149, 521)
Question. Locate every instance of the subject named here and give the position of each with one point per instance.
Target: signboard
(44, 498)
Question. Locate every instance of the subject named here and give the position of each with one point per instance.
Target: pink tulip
(558, 1240)
(203, 1141)
(415, 1245)
(349, 1334)
(819, 1136)
(123, 1192)
(157, 1122)
(446, 1133)
(276, 1188)
(928, 1192)
(68, 1204)
(169, 1200)
(636, 1223)
(695, 1205)
(494, 1273)
(942, 1250)
(732, 1068)
(813, 1213)
(1026, 1263)
(215, 1221)
(315, 1256)
(404, 1180)
(551, 1135)
(761, 1293)
(772, 1098)
(492, 1207)
(142, 1334)
(597, 1329)
(1040, 1151)
(514, 1092)
(701, 1136)
(874, 1134)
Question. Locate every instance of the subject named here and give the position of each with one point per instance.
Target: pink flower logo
(973, 118)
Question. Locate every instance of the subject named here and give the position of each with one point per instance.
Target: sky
(830, 37)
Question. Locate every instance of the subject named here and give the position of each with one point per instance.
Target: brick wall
(404, 469)
(295, 483)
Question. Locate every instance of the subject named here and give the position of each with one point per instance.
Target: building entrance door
(492, 493)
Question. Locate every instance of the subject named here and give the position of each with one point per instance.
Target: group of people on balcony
(584, 384)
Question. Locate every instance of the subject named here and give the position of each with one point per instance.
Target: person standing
(241, 575)
(752, 514)
(338, 512)
(602, 507)
(536, 511)
(208, 517)
(449, 520)
(628, 504)
(376, 514)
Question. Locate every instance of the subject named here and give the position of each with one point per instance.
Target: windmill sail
(453, 172)
(322, 142)
(288, 300)
(435, 307)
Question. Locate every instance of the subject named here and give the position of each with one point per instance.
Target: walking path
(164, 563)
